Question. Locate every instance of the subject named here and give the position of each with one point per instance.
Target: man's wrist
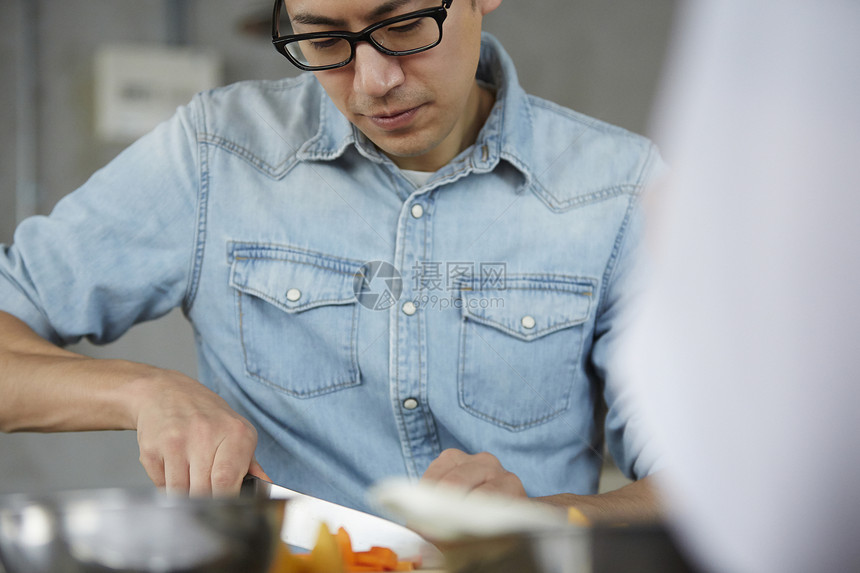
(132, 386)
(636, 502)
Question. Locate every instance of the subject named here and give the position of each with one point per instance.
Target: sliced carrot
(381, 557)
(325, 556)
(333, 553)
(344, 543)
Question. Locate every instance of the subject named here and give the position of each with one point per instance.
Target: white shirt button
(410, 403)
(417, 211)
(409, 308)
(294, 294)
(528, 322)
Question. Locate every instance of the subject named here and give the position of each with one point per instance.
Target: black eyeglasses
(399, 36)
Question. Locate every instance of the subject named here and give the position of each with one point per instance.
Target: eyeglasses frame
(438, 13)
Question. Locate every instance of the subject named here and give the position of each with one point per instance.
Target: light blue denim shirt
(490, 327)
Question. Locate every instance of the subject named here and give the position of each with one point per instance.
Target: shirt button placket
(409, 377)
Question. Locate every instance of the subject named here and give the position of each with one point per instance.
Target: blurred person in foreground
(746, 356)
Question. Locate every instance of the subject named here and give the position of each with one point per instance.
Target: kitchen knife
(304, 513)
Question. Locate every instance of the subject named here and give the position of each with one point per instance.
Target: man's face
(409, 106)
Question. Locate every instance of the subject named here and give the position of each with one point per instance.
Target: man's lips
(393, 120)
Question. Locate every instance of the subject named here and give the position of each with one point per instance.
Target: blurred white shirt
(747, 357)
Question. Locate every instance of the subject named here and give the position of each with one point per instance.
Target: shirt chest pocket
(521, 347)
(298, 318)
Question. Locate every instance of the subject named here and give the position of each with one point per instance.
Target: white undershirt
(418, 178)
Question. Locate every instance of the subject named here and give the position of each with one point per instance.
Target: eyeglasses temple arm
(276, 16)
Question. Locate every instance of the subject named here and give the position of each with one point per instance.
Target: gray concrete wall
(601, 58)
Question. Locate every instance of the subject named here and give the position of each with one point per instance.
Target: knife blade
(304, 514)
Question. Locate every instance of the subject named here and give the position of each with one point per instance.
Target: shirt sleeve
(118, 250)
(627, 437)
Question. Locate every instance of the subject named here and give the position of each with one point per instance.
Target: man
(501, 227)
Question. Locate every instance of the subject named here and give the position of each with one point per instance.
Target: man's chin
(406, 147)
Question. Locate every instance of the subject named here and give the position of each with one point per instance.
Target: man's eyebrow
(314, 20)
(387, 8)
(380, 11)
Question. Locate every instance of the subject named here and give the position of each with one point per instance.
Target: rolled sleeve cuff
(650, 460)
(16, 303)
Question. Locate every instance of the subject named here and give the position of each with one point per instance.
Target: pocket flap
(292, 279)
(529, 307)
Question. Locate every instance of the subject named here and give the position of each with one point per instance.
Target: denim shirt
(362, 324)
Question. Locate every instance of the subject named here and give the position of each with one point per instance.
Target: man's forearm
(47, 388)
(190, 439)
(638, 501)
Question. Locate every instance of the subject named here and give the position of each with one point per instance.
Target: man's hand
(190, 440)
(637, 501)
(475, 472)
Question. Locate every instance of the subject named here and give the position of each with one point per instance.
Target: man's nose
(375, 73)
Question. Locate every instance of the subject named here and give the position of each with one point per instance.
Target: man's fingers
(227, 475)
(153, 464)
(200, 472)
(174, 447)
(477, 472)
(255, 469)
(233, 459)
(442, 465)
(176, 475)
(469, 475)
(457, 467)
(506, 483)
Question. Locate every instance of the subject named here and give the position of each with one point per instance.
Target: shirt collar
(507, 133)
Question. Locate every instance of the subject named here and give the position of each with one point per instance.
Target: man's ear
(487, 6)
